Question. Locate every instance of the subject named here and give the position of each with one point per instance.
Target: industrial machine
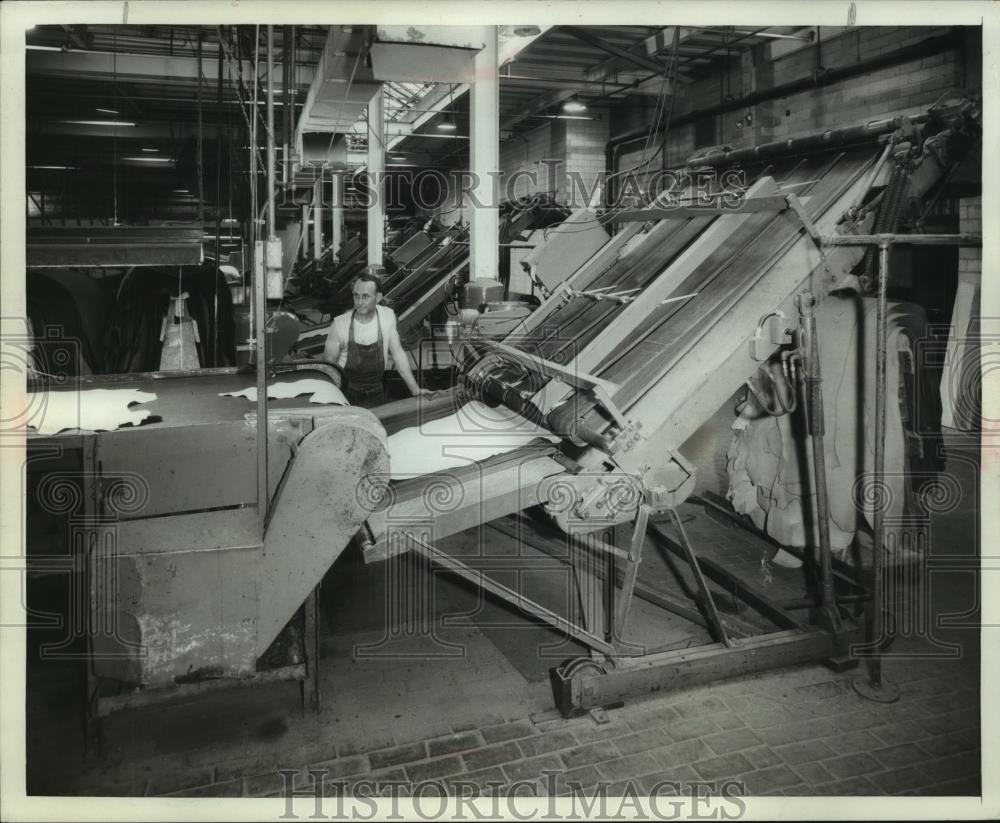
(610, 376)
(432, 270)
(626, 359)
(148, 481)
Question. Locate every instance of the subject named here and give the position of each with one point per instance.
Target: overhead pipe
(821, 140)
(933, 45)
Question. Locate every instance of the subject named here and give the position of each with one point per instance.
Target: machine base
(887, 692)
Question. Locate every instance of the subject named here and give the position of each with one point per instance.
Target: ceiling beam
(648, 47)
(539, 104)
(149, 131)
(577, 84)
(433, 106)
(136, 68)
(636, 58)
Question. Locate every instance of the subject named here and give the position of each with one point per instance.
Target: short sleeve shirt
(365, 333)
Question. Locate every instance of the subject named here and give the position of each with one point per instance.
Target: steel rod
(260, 307)
(872, 177)
(270, 133)
(881, 388)
(512, 596)
(817, 430)
(718, 630)
(911, 239)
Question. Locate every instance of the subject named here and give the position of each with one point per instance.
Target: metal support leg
(876, 687)
(93, 728)
(631, 571)
(590, 591)
(310, 684)
(715, 623)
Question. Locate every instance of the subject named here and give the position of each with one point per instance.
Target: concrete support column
(484, 156)
(376, 171)
(318, 218)
(337, 211)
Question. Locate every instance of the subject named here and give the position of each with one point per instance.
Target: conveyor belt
(730, 271)
(575, 324)
(742, 258)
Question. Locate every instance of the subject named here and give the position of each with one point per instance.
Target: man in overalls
(362, 341)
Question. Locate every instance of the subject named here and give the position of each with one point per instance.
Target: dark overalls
(365, 369)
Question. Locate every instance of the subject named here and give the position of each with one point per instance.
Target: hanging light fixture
(447, 123)
(574, 107)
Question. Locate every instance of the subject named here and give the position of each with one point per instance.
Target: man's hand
(421, 391)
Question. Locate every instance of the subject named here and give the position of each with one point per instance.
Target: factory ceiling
(123, 103)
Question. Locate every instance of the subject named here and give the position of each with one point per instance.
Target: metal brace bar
(513, 597)
(706, 595)
(796, 205)
(748, 205)
(643, 592)
(912, 239)
(738, 587)
(856, 207)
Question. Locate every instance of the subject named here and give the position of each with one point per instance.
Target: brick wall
(970, 258)
(584, 159)
(577, 145)
(521, 161)
(902, 89)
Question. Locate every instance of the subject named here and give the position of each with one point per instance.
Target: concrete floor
(471, 701)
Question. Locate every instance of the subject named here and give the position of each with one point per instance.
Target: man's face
(365, 297)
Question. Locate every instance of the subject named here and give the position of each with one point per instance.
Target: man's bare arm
(402, 361)
(331, 351)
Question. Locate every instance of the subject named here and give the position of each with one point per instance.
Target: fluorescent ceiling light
(108, 111)
(446, 125)
(397, 157)
(100, 122)
(150, 159)
(179, 191)
(574, 106)
(30, 47)
(54, 168)
(152, 151)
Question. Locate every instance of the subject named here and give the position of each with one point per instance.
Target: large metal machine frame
(608, 476)
(185, 582)
(618, 459)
